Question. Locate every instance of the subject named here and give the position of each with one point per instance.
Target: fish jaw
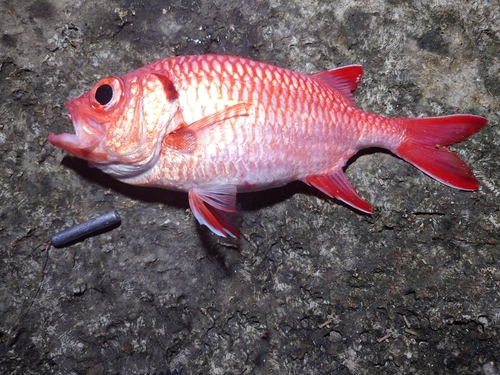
(88, 135)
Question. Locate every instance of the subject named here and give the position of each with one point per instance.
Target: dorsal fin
(345, 79)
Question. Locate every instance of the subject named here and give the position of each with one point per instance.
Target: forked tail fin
(425, 147)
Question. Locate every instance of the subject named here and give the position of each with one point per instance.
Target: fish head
(120, 122)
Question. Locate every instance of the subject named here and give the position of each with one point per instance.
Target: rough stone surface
(312, 287)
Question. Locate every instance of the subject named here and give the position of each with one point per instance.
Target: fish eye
(104, 94)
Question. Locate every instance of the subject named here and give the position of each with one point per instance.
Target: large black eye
(104, 94)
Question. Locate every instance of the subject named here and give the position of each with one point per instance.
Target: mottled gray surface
(312, 287)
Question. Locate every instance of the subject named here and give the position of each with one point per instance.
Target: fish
(217, 125)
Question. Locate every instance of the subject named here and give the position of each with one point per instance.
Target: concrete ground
(312, 287)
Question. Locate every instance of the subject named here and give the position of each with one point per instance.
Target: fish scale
(215, 125)
(288, 143)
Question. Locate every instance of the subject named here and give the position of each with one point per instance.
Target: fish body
(215, 125)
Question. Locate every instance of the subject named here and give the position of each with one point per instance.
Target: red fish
(215, 125)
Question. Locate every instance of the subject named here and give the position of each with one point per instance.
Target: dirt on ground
(312, 287)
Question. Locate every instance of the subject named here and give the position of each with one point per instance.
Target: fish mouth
(87, 137)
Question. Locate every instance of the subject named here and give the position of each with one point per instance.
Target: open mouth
(88, 134)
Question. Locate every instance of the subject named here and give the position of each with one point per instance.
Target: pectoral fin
(184, 137)
(337, 186)
(212, 207)
(240, 109)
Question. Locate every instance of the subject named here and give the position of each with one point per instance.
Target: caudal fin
(425, 147)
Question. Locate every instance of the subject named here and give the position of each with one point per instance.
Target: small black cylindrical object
(84, 229)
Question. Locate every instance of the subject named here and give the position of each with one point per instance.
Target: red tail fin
(425, 147)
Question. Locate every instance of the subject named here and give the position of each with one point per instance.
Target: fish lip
(88, 130)
(88, 133)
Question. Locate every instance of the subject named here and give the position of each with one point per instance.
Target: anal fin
(337, 186)
(212, 206)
